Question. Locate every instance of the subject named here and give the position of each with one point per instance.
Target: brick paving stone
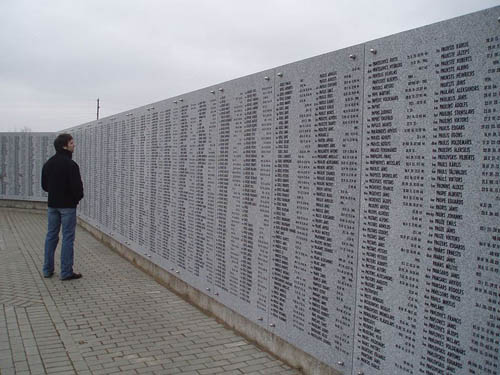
(37, 368)
(255, 368)
(240, 359)
(6, 364)
(234, 366)
(151, 370)
(21, 366)
(210, 371)
(192, 367)
(231, 372)
(116, 319)
(271, 370)
(258, 361)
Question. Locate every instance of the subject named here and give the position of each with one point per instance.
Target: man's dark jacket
(61, 179)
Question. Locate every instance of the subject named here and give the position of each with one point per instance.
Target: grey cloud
(58, 56)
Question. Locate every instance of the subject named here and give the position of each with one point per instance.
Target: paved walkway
(116, 319)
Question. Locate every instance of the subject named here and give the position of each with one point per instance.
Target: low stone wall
(30, 205)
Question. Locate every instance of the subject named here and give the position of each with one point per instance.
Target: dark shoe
(48, 276)
(73, 277)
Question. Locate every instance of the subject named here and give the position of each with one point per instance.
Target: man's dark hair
(61, 141)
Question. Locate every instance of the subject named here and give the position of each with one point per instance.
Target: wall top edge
(347, 50)
(27, 134)
(435, 25)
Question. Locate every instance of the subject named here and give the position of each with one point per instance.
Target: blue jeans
(56, 217)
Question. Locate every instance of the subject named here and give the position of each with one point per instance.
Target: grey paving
(116, 319)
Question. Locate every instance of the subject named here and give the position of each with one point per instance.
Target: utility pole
(98, 108)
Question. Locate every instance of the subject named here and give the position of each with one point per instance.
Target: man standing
(61, 179)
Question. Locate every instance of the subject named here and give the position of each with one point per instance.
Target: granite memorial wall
(348, 203)
(21, 160)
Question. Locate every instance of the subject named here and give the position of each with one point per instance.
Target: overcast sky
(58, 56)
